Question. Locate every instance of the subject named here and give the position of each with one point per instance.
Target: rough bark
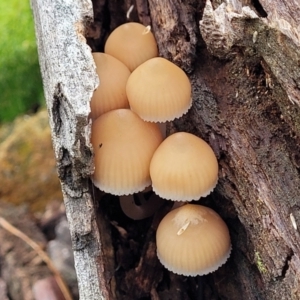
(243, 62)
(69, 79)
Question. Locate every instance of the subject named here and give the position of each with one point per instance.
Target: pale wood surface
(69, 79)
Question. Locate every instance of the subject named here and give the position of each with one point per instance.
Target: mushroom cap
(192, 240)
(123, 147)
(159, 91)
(141, 205)
(131, 43)
(183, 168)
(111, 93)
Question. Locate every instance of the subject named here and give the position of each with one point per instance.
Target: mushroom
(111, 93)
(141, 205)
(192, 240)
(159, 91)
(123, 146)
(183, 168)
(131, 43)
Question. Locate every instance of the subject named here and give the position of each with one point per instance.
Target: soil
(22, 271)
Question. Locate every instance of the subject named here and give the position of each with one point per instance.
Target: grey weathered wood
(69, 80)
(229, 25)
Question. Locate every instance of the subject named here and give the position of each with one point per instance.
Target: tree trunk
(243, 61)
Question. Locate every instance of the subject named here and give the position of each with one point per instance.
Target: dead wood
(243, 62)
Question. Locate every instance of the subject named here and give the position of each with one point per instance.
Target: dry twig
(43, 255)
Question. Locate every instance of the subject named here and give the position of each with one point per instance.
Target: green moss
(20, 80)
(260, 265)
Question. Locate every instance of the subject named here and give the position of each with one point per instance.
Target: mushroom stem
(178, 204)
(163, 129)
(140, 205)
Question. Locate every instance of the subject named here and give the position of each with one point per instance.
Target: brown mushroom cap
(123, 146)
(193, 240)
(131, 43)
(183, 168)
(159, 91)
(111, 93)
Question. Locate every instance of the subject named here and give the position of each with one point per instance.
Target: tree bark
(69, 79)
(242, 58)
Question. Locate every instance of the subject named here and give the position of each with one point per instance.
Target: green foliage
(20, 80)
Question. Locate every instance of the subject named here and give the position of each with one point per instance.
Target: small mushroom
(183, 168)
(159, 91)
(123, 146)
(111, 93)
(131, 43)
(192, 240)
(141, 205)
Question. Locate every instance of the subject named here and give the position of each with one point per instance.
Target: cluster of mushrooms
(138, 93)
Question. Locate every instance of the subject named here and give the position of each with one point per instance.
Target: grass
(20, 81)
